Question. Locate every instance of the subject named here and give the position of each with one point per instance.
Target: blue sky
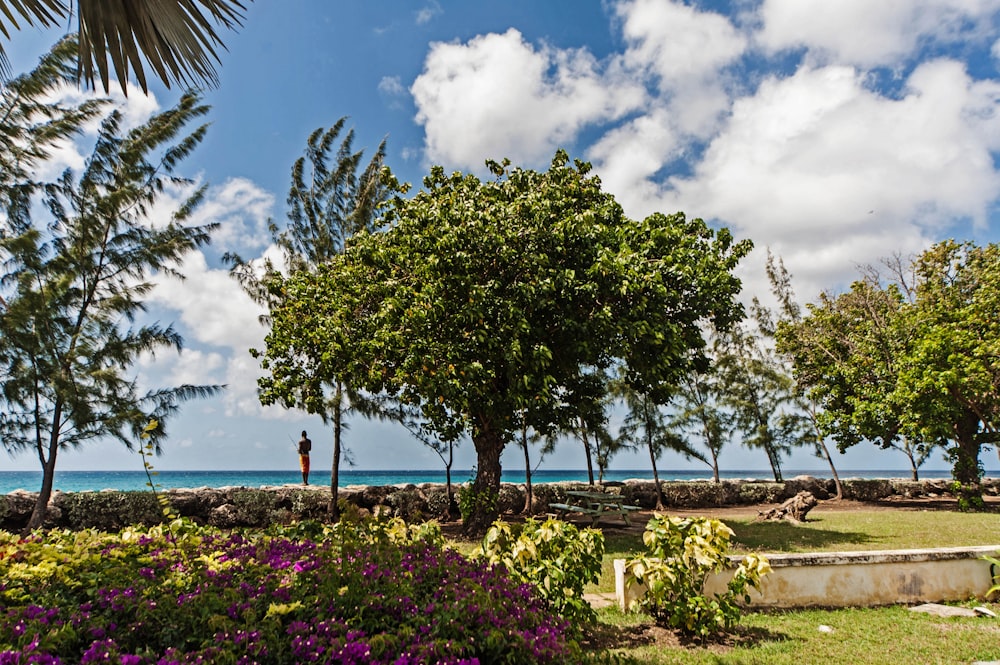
(835, 133)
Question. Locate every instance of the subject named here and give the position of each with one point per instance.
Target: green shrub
(471, 502)
(682, 553)
(555, 557)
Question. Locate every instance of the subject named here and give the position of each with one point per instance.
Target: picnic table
(594, 505)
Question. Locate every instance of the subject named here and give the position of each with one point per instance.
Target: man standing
(305, 445)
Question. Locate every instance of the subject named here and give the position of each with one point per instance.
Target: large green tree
(486, 302)
(330, 199)
(847, 354)
(917, 359)
(176, 38)
(73, 284)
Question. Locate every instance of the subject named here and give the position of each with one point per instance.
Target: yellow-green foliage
(554, 556)
(682, 553)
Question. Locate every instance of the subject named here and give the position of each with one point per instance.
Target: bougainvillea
(364, 594)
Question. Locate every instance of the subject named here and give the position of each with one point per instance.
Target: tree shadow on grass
(790, 537)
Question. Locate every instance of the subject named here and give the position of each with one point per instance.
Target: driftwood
(793, 509)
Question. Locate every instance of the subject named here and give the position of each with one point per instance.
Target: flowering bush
(370, 593)
(683, 552)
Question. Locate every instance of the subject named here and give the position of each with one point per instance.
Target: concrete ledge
(856, 579)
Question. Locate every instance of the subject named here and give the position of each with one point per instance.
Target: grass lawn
(879, 635)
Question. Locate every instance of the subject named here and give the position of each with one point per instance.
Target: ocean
(80, 481)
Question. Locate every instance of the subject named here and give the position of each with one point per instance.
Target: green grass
(876, 636)
(870, 530)
(835, 532)
(860, 636)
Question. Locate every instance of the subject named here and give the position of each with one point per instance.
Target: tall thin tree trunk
(334, 508)
(528, 498)
(452, 511)
(833, 470)
(45, 493)
(715, 467)
(660, 502)
(775, 461)
(586, 450)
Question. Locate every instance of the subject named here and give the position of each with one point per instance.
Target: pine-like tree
(73, 284)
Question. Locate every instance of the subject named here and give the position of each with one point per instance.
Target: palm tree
(176, 38)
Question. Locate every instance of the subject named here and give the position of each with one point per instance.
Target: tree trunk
(452, 512)
(715, 467)
(966, 470)
(775, 461)
(833, 470)
(528, 499)
(660, 503)
(486, 486)
(586, 450)
(45, 493)
(793, 509)
(334, 509)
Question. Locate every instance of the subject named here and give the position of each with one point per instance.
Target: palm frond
(176, 39)
(43, 12)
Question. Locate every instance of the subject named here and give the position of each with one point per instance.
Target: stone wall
(240, 506)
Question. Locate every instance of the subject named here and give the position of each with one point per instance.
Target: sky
(833, 133)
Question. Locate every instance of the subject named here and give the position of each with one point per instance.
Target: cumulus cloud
(868, 34)
(497, 96)
(678, 42)
(835, 174)
(391, 86)
(72, 153)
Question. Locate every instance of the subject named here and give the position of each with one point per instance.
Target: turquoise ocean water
(79, 481)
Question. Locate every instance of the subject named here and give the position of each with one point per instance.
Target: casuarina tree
(330, 199)
(485, 302)
(75, 269)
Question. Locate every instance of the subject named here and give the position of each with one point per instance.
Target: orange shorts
(304, 463)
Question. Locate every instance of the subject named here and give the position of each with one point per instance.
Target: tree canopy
(916, 358)
(486, 303)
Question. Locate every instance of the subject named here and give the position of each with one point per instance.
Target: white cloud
(497, 96)
(211, 305)
(391, 85)
(242, 210)
(427, 13)
(677, 42)
(865, 33)
(834, 174)
(73, 153)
